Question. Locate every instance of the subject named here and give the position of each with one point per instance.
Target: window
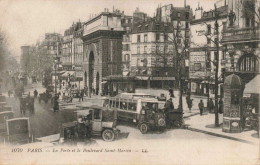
(215, 41)
(224, 55)
(209, 29)
(157, 36)
(187, 34)
(145, 49)
(146, 27)
(123, 105)
(187, 25)
(165, 37)
(247, 22)
(157, 26)
(145, 38)
(215, 55)
(187, 15)
(138, 38)
(197, 66)
(208, 60)
(117, 104)
(127, 57)
(248, 63)
(157, 49)
(179, 15)
(138, 50)
(166, 48)
(179, 41)
(97, 113)
(208, 40)
(132, 106)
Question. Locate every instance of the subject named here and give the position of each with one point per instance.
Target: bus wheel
(143, 128)
(108, 135)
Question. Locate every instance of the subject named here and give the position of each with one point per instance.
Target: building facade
(152, 54)
(241, 39)
(102, 49)
(127, 23)
(67, 47)
(77, 54)
(25, 58)
(203, 50)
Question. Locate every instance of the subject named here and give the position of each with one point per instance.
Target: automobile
(145, 112)
(75, 93)
(94, 121)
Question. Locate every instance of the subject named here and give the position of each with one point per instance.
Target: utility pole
(216, 64)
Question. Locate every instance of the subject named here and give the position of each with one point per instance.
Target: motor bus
(147, 113)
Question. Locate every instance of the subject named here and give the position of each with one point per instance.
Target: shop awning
(58, 72)
(162, 78)
(67, 73)
(142, 77)
(253, 86)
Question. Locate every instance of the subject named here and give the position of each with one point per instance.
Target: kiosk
(233, 92)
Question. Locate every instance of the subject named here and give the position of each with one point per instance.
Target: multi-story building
(241, 39)
(72, 54)
(152, 53)
(203, 50)
(102, 48)
(127, 22)
(77, 54)
(67, 47)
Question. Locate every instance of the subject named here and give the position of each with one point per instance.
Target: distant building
(67, 49)
(25, 58)
(181, 18)
(203, 50)
(139, 16)
(102, 49)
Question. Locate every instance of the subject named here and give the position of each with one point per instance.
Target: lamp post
(55, 102)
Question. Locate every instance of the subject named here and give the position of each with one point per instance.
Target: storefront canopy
(67, 73)
(253, 86)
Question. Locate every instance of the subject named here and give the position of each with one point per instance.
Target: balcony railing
(241, 34)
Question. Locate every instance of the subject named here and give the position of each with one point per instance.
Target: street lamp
(55, 102)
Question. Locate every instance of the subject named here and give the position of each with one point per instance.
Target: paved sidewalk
(205, 124)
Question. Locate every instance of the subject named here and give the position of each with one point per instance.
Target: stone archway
(85, 79)
(91, 69)
(97, 83)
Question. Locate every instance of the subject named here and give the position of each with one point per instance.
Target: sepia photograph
(125, 82)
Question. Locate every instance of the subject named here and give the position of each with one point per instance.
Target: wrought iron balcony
(240, 34)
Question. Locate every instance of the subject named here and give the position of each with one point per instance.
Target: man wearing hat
(168, 105)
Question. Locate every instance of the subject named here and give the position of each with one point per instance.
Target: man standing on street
(201, 106)
(35, 93)
(211, 106)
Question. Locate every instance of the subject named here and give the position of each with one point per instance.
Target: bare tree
(4, 52)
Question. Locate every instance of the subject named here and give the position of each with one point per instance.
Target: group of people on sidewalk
(211, 106)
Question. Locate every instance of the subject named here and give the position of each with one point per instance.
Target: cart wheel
(143, 128)
(108, 135)
(177, 123)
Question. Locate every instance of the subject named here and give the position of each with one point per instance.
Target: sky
(26, 21)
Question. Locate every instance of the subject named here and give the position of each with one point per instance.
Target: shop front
(115, 84)
(251, 105)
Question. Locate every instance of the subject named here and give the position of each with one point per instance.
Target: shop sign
(246, 95)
